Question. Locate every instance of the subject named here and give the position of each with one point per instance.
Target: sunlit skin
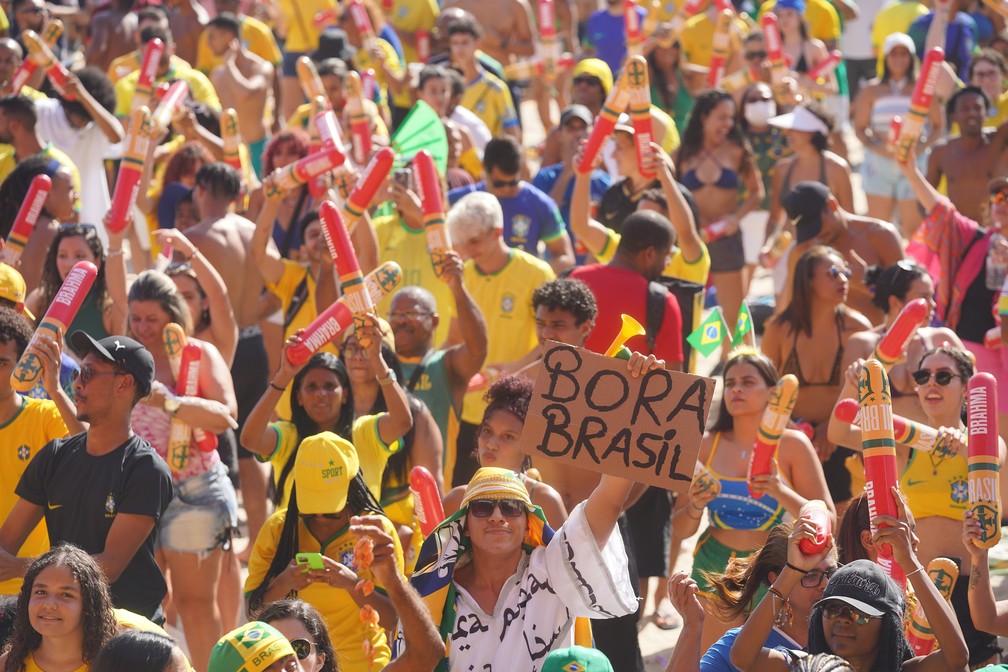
(499, 441)
(849, 640)
(194, 298)
(293, 629)
(9, 61)
(560, 325)
(186, 216)
(719, 122)
(285, 154)
(286, 664)
(334, 87)
(321, 395)
(480, 246)
(71, 250)
(500, 184)
(745, 390)
(829, 288)
(62, 197)
(412, 323)
(497, 535)
(55, 606)
(357, 364)
(435, 93)
(941, 402)
(147, 320)
(94, 398)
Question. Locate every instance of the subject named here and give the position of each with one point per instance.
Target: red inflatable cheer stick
(548, 37)
(778, 62)
(347, 266)
(722, 44)
(61, 313)
(906, 432)
(615, 103)
(294, 175)
(536, 67)
(179, 433)
(816, 512)
(640, 112)
(944, 573)
(432, 207)
(189, 371)
(426, 500)
(360, 124)
(130, 168)
(50, 34)
(632, 28)
(40, 52)
(367, 185)
(27, 215)
(920, 103)
(148, 73)
(984, 468)
(827, 66)
(892, 346)
(326, 127)
(362, 21)
(775, 418)
(878, 445)
(423, 45)
(338, 317)
(232, 138)
(162, 116)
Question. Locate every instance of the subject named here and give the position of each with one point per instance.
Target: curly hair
(511, 394)
(51, 281)
(295, 136)
(743, 355)
(97, 621)
(313, 622)
(567, 294)
(186, 160)
(15, 328)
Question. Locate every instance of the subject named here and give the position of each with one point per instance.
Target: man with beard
(968, 162)
(21, 139)
(104, 489)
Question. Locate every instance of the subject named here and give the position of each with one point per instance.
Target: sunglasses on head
(484, 508)
(302, 648)
(834, 610)
(943, 377)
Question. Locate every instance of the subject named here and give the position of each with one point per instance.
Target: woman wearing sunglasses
(304, 628)
(860, 616)
(739, 524)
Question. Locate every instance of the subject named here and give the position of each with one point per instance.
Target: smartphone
(310, 561)
(403, 177)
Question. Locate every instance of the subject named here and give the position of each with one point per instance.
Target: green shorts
(713, 556)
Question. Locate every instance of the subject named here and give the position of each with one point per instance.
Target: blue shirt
(388, 34)
(529, 217)
(718, 658)
(548, 176)
(960, 39)
(607, 35)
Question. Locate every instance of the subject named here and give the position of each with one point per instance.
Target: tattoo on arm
(974, 580)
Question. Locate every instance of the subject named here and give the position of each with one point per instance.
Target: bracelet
(919, 569)
(114, 253)
(277, 387)
(800, 571)
(776, 593)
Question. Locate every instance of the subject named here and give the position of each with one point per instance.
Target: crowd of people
(186, 401)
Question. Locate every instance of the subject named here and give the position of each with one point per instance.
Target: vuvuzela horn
(630, 328)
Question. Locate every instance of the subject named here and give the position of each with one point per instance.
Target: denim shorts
(289, 67)
(881, 176)
(203, 514)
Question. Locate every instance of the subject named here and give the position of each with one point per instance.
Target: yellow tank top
(935, 484)
(32, 666)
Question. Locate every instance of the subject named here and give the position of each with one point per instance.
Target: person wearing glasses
(504, 589)
(304, 628)
(328, 491)
(860, 616)
(737, 590)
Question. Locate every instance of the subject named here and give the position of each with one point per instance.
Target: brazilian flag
(743, 325)
(708, 336)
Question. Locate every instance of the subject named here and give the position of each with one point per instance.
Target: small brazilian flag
(743, 325)
(708, 336)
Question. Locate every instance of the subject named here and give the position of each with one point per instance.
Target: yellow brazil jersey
(337, 606)
(408, 247)
(255, 36)
(32, 666)
(505, 297)
(371, 451)
(8, 162)
(697, 39)
(410, 16)
(670, 141)
(299, 15)
(35, 424)
(489, 99)
(691, 271)
(822, 17)
(200, 88)
(363, 61)
(935, 484)
(127, 63)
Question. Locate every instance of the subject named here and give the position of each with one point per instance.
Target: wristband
(114, 253)
(277, 387)
(800, 571)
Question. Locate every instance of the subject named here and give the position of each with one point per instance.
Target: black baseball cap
(865, 586)
(804, 205)
(123, 352)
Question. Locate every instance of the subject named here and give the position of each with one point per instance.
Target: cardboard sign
(588, 411)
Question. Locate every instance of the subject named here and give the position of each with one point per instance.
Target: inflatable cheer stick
(40, 52)
(27, 215)
(294, 175)
(338, 317)
(722, 44)
(188, 385)
(984, 470)
(781, 244)
(28, 66)
(920, 102)
(426, 500)
(148, 73)
(231, 137)
(311, 83)
(704, 480)
(640, 112)
(827, 66)
(775, 419)
(537, 67)
(943, 573)
(174, 338)
(632, 28)
(162, 116)
(362, 21)
(360, 124)
(326, 128)
(615, 103)
(130, 168)
(423, 45)
(347, 267)
(895, 342)
(878, 445)
(432, 208)
(367, 185)
(549, 39)
(816, 512)
(907, 432)
(61, 313)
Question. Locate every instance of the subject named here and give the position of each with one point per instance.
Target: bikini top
(728, 179)
(786, 187)
(792, 365)
(735, 509)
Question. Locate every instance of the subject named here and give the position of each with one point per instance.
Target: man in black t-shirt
(102, 490)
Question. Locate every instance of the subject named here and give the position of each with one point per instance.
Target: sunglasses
(302, 648)
(408, 314)
(943, 377)
(815, 577)
(484, 508)
(836, 272)
(588, 80)
(87, 374)
(755, 55)
(499, 184)
(834, 610)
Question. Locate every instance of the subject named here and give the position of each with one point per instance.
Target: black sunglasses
(504, 183)
(302, 648)
(834, 610)
(755, 55)
(583, 79)
(86, 374)
(484, 508)
(943, 377)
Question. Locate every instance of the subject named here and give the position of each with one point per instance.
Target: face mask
(759, 112)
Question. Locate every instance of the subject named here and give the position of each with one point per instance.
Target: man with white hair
(501, 280)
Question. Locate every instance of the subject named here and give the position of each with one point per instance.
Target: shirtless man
(864, 241)
(11, 56)
(243, 82)
(970, 161)
(187, 19)
(114, 31)
(508, 27)
(225, 239)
